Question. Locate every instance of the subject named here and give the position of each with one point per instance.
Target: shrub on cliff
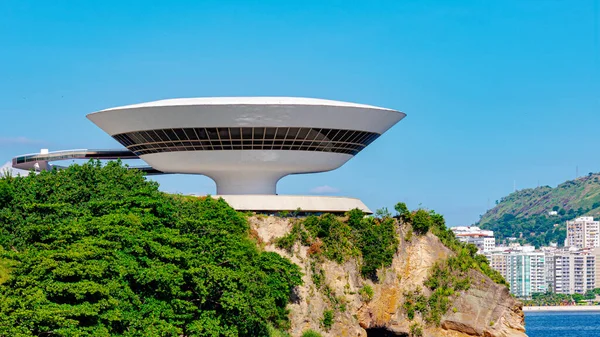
(378, 242)
(370, 238)
(402, 211)
(100, 251)
(421, 221)
(311, 333)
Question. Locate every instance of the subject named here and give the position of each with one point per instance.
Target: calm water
(562, 324)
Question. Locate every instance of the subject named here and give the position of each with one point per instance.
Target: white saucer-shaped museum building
(245, 144)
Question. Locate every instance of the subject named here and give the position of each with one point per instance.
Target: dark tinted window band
(245, 138)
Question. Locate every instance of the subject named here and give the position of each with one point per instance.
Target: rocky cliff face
(486, 309)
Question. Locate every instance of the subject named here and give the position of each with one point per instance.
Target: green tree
(421, 221)
(100, 251)
(402, 210)
(355, 218)
(382, 213)
(590, 295)
(577, 297)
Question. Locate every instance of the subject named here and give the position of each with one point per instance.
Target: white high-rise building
(525, 271)
(583, 232)
(550, 256)
(575, 271)
(566, 270)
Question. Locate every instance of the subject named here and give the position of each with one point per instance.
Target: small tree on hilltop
(383, 213)
(402, 210)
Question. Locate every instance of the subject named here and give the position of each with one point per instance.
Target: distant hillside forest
(525, 214)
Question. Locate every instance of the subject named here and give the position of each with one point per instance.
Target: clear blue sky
(495, 91)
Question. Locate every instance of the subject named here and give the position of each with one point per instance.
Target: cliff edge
(336, 300)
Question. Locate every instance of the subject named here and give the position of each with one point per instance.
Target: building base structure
(293, 203)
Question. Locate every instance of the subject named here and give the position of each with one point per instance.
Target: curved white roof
(245, 112)
(245, 101)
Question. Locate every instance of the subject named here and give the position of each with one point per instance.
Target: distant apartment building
(549, 253)
(524, 269)
(498, 262)
(569, 270)
(526, 273)
(596, 253)
(583, 232)
(550, 272)
(575, 271)
(483, 239)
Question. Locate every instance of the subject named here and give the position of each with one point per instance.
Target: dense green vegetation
(550, 298)
(421, 221)
(372, 239)
(524, 214)
(4, 270)
(100, 251)
(538, 230)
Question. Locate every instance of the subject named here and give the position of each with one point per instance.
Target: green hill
(525, 214)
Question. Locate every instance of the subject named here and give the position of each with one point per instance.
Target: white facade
(483, 239)
(574, 272)
(583, 232)
(566, 270)
(258, 140)
(524, 269)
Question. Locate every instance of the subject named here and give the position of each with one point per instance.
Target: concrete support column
(246, 182)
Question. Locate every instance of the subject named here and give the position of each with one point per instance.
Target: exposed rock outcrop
(486, 309)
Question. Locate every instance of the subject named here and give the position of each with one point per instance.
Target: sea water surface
(563, 324)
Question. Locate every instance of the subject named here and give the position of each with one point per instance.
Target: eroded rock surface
(486, 309)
